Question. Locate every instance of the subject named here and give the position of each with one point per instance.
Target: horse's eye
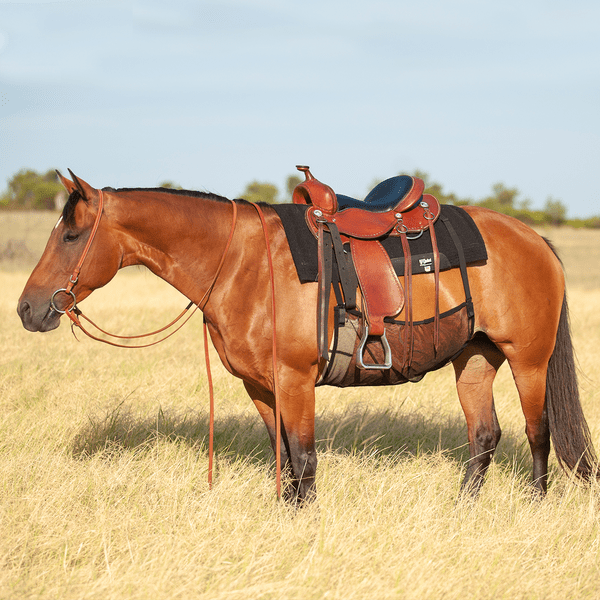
(70, 236)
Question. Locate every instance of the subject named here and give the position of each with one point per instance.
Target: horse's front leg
(298, 451)
(265, 404)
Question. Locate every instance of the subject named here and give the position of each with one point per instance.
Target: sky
(214, 95)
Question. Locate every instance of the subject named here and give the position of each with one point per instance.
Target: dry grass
(103, 468)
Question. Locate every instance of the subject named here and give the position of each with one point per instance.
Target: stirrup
(361, 348)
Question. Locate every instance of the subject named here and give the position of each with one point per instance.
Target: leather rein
(75, 314)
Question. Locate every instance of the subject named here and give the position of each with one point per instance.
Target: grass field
(103, 468)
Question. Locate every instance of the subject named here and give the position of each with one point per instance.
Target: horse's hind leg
(531, 385)
(475, 369)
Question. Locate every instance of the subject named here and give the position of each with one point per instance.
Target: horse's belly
(342, 370)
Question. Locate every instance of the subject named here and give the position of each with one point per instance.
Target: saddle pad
(304, 245)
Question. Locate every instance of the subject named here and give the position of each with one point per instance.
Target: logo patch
(425, 264)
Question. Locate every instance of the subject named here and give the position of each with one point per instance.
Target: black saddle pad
(304, 245)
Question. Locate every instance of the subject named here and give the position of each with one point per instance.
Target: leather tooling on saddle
(366, 245)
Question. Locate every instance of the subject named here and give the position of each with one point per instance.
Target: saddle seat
(391, 194)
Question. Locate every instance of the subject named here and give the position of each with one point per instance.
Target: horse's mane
(68, 213)
(177, 192)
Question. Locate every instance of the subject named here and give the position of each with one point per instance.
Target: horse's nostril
(23, 309)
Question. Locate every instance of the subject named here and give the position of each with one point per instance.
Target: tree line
(30, 190)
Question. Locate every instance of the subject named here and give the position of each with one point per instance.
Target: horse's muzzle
(43, 318)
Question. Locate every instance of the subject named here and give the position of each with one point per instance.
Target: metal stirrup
(361, 348)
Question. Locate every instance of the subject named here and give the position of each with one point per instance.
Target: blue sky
(212, 95)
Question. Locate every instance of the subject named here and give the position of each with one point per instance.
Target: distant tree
(29, 189)
(435, 189)
(503, 198)
(291, 182)
(257, 191)
(556, 211)
(169, 185)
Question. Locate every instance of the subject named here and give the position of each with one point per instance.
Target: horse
(518, 295)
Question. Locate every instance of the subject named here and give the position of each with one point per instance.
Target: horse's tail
(568, 428)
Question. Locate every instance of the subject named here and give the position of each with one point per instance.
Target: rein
(76, 315)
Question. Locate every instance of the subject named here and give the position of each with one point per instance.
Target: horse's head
(41, 306)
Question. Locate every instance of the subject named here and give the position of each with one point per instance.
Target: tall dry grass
(103, 468)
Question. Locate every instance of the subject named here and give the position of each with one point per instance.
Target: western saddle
(395, 207)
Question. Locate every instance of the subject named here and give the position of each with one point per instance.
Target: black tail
(568, 428)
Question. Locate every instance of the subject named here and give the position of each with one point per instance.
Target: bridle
(74, 278)
(75, 314)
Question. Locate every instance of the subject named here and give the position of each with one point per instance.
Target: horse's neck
(179, 238)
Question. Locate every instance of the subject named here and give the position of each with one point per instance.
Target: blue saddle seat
(382, 198)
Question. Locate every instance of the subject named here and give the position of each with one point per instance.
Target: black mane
(193, 193)
(68, 213)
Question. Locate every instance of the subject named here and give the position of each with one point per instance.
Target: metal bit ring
(58, 310)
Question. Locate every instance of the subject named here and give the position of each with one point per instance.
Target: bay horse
(518, 294)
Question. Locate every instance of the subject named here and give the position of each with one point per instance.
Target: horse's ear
(68, 184)
(84, 188)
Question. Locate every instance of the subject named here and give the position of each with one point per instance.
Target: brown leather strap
(211, 412)
(436, 271)
(76, 316)
(408, 316)
(211, 419)
(75, 275)
(324, 262)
